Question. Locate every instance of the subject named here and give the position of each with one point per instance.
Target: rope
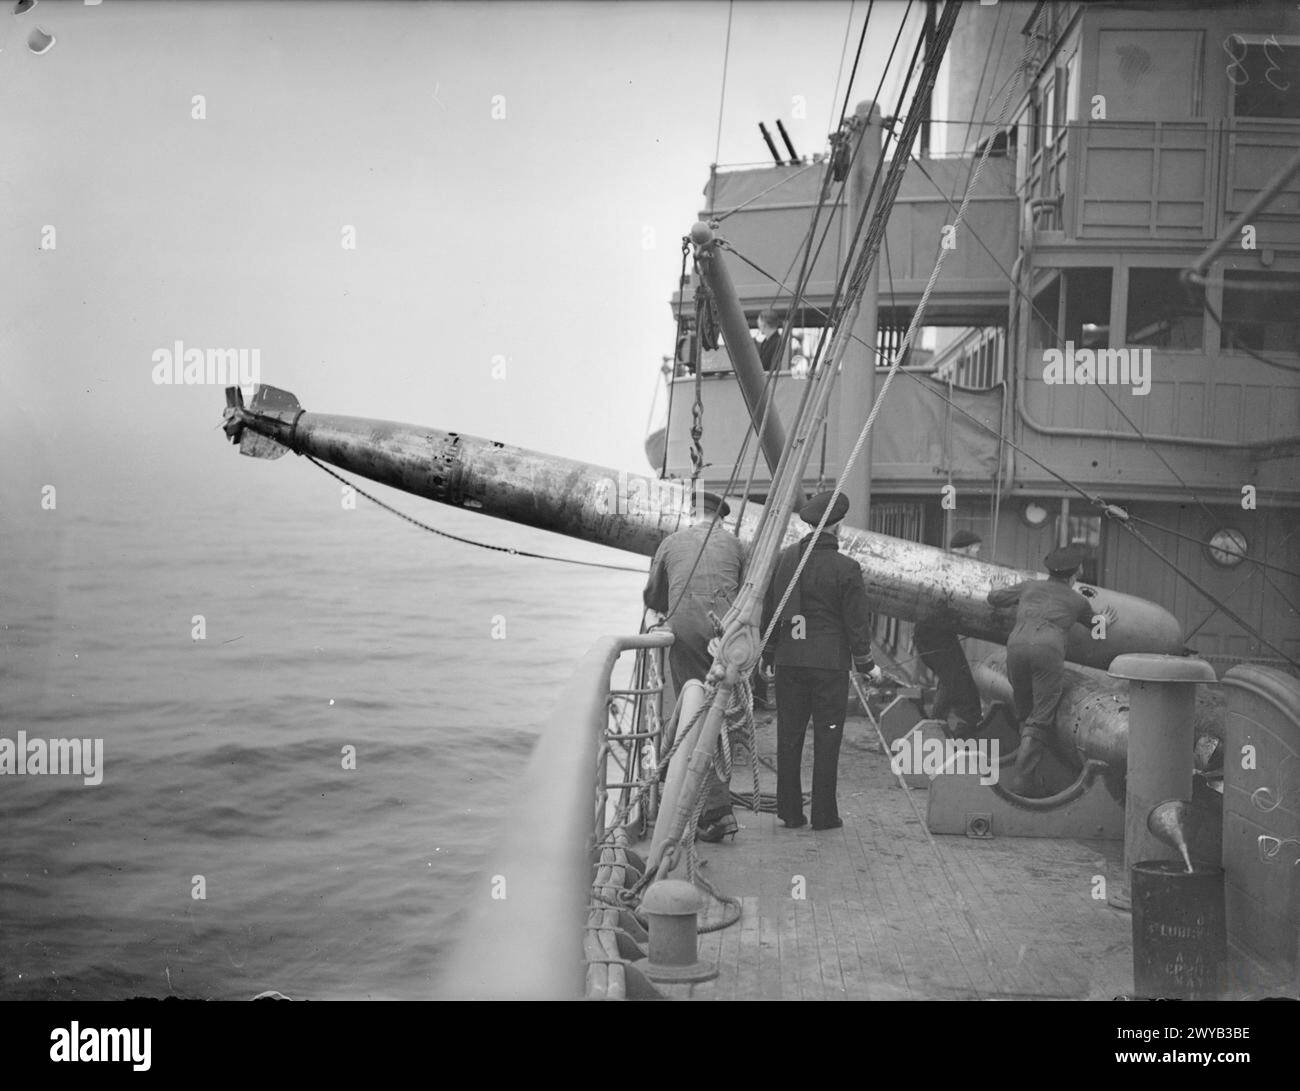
(469, 541)
(887, 195)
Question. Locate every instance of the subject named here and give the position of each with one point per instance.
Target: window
(1084, 531)
(1069, 81)
(1043, 317)
(1265, 75)
(1160, 313)
(1087, 307)
(1261, 311)
(1148, 75)
(1227, 547)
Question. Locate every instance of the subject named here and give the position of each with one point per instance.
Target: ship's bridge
(764, 216)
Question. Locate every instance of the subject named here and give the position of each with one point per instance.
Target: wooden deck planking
(880, 920)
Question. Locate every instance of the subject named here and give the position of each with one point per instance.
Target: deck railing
(525, 936)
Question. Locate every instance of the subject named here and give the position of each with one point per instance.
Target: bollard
(1162, 705)
(672, 908)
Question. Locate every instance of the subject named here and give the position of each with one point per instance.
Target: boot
(726, 826)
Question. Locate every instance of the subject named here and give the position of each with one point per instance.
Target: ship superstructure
(1138, 136)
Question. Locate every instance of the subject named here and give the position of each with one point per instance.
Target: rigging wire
(811, 259)
(1118, 515)
(1218, 321)
(979, 87)
(1051, 322)
(722, 102)
(1242, 583)
(1200, 542)
(853, 75)
(466, 541)
(712, 212)
(857, 282)
(841, 280)
(839, 71)
(810, 262)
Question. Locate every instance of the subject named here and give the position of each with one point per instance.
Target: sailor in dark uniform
(824, 629)
(1046, 611)
(694, 578)
(940, 649)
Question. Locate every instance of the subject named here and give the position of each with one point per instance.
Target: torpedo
(904, 579)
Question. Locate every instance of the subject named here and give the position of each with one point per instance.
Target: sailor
(940, 650)
(1046, 611)
(694, 577)
(769, 328)
(825, 628)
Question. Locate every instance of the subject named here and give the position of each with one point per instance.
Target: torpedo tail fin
(271, 409)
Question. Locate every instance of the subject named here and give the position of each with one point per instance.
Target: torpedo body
(634, 512)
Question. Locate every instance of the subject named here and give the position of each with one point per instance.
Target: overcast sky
(547, 236)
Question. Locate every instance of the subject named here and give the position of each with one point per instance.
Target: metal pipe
(740, 345)
(525, 943)
(1022, 410)
(1161, 738)
(1092, 720)
(794, 156)
(858, 375)
(1232, 233)
(636, 512)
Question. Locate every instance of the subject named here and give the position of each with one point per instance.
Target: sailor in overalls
(1046, 611)
(688, 592)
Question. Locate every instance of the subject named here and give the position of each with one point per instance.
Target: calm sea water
(223, 757)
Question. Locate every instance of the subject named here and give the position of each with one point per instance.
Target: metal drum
(1180, 938)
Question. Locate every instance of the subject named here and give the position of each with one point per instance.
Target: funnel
(1170, 821)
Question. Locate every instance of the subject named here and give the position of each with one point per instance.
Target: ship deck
(889, 914)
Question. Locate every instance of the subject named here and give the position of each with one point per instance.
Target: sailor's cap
(1066, 559)
(812, 512)
(711, 501)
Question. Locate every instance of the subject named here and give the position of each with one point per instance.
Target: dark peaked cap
(964, 538)
(1065, 559)
(812, 512)
(712, 501)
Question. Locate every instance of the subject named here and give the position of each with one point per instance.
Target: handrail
(526, 942)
